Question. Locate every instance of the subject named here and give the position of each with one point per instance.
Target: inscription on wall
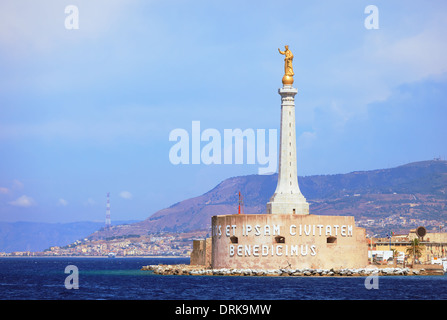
(297, 232)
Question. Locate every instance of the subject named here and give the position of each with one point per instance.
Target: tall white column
(287, 198)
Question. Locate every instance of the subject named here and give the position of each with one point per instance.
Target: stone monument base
(266, 241)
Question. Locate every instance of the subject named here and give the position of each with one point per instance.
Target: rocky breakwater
(202, 271)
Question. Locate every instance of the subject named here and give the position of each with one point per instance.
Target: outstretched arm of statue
(282, 52)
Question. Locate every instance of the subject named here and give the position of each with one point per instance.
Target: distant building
(433, 244)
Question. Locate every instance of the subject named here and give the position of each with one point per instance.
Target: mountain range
(38, 236)
(415, 190)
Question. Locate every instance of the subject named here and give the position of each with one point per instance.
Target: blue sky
(89, 111)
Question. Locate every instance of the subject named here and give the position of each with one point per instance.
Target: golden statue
(288, 69)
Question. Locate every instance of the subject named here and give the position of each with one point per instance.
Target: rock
(254, 272)
(247, 272)
(272, 273)
(285, 272)
(261, 272)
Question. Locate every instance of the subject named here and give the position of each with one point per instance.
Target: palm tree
(415, 249)
(395, 255)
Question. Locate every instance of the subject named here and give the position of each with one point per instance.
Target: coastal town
(173, 244)
(396, 222)
(161, 244)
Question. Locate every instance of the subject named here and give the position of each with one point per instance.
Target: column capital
(288, 91)
(288, 95)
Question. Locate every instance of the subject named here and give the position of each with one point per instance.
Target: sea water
(121, 278)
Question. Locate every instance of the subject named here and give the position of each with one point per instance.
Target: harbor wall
(201, 253)
(268, 241)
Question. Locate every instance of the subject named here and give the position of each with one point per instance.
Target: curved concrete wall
(268, 241)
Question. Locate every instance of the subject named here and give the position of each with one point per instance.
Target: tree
(395, 255)
(415, 249)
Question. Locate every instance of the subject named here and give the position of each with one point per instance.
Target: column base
(288, 208)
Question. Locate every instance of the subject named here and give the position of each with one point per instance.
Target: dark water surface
(121, 278)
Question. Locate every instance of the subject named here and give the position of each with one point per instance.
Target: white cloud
(23, 201)
(135, 122)
(30, 26)
(90, 202)
(63, 202)
(4, 190)
(386, 59)
(16, 184)
(412, 58)
(126, 195)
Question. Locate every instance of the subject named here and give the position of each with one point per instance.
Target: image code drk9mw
(244, 309)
